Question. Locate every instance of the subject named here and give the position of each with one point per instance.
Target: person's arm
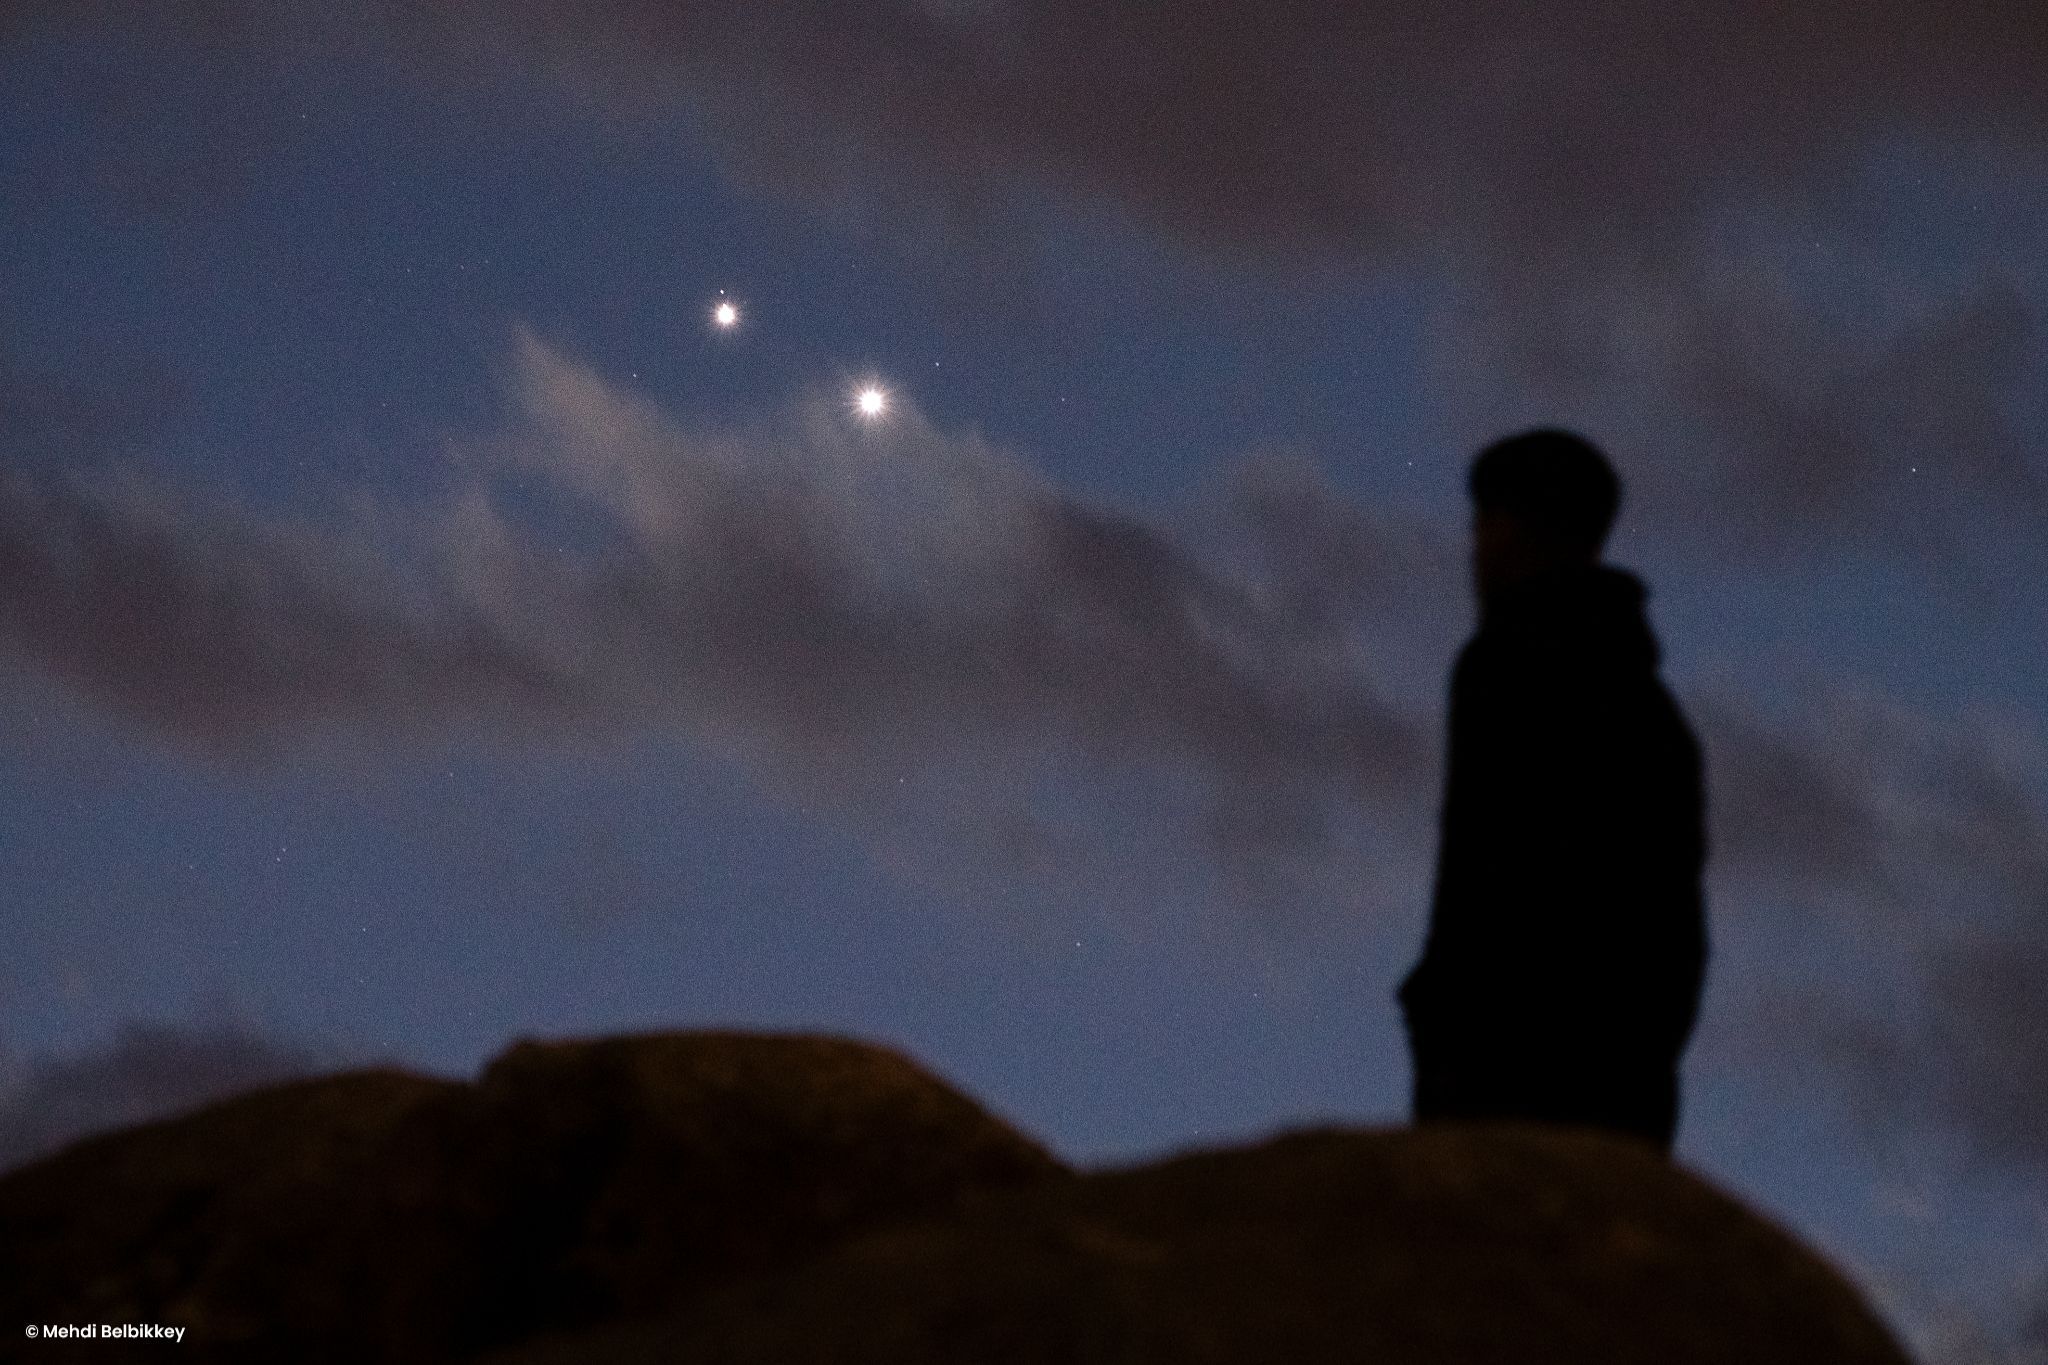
(1477, 887)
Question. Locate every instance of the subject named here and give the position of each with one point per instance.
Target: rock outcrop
(746, 1199)
(391, 1217)
(1442, 1246)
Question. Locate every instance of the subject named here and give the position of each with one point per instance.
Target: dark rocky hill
(381, 1216)
(1449, 1246)
(737, 1198)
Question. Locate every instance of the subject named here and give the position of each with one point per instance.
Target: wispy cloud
(824, 601)
(1571, 174)
(1919, 845)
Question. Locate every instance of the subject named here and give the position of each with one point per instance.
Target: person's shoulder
(1477, 658)
(1601, 622)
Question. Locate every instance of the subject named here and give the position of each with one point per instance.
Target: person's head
(1541, 500)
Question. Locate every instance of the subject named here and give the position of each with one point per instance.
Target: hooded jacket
(1568, 919)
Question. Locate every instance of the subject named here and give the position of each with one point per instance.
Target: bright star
(725, 314)
(871, 401)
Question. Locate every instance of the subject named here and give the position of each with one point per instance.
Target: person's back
(1567, 939)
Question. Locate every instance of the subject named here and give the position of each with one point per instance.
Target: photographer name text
(106, 1331)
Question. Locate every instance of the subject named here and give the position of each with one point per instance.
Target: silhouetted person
(1567, 937)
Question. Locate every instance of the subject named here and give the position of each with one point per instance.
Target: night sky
(421, 626)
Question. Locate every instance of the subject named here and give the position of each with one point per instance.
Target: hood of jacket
(1593, 613)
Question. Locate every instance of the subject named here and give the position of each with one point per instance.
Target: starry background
(421, 628)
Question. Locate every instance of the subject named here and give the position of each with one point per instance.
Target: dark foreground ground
(725, 1197)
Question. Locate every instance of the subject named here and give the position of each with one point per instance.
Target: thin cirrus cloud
(1917, 847)
(1571, 170)
(816, 598)
(1572, 174)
